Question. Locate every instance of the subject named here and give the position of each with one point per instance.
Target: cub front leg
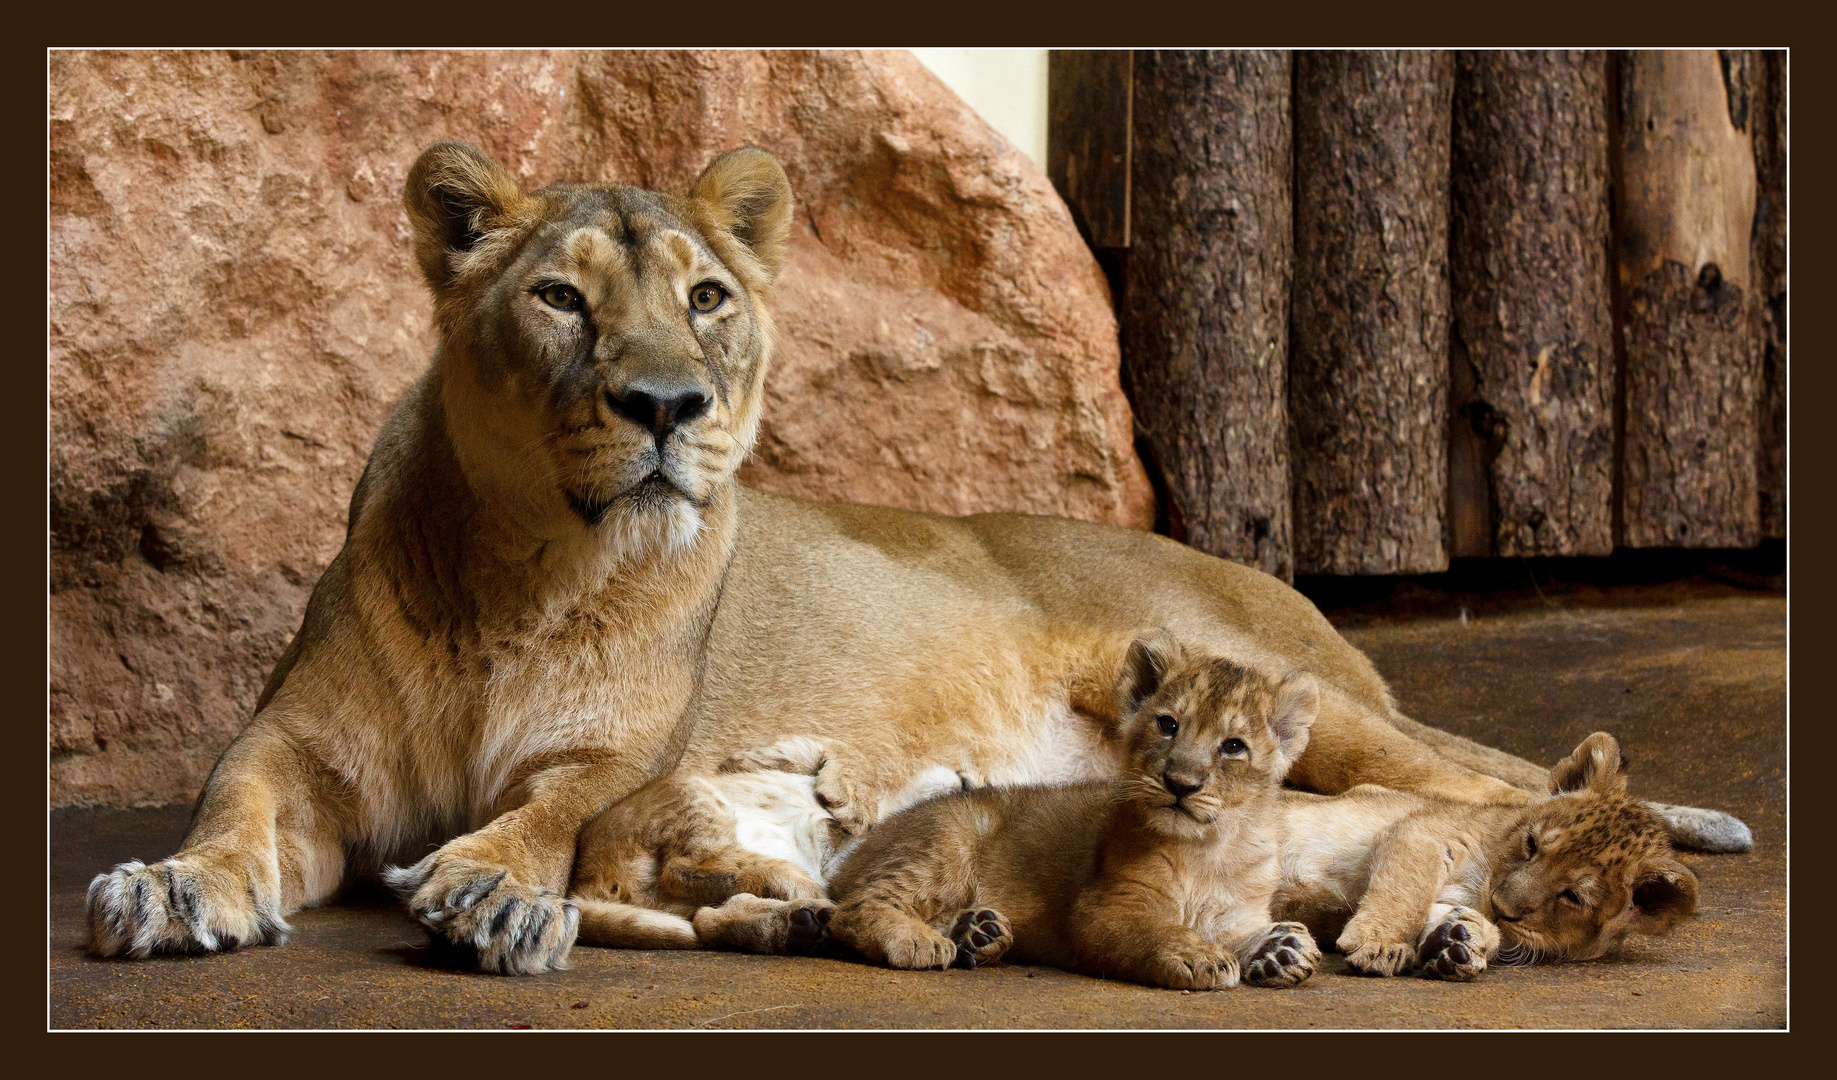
(1456, 944)
(498, 892)
(1410, 864)
(265, 842)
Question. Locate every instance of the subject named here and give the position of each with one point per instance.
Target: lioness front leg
(499, 892)
(266, 841)
(1349, 745)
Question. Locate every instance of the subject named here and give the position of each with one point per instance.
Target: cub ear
(1151, 656)
(1595, 765)
(1664, 894)
(744, 194)
(455, 196)
(1297, 704)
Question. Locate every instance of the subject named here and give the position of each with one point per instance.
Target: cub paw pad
(981, 936)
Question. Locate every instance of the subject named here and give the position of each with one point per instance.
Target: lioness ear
(1151, 655)
(455, 196)
(744, 194)
(1297, 704)
(1665, 893)
(1595, 765)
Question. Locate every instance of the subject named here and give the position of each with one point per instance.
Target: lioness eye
(707, 296)
(1233, 747)
(1530, 845)
(1168, 725)
(561, 297)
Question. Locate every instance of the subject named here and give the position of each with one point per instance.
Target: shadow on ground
(1692, 683)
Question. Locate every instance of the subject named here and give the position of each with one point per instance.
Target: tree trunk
(1770, 274)
(1205, 308)
(1533, 441)
(1368, 387)
(1685, 190)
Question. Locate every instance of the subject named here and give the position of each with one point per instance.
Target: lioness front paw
(182, 905)
(981, 936)
(1285, 957)
(1455, 947)
(757, 924)
(1194, 968)
(513, 928)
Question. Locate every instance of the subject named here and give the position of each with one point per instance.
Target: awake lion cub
(1163, 876)
(1450, 885)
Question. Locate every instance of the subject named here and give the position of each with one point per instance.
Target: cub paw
(981, 937)
(1194, 968)
(1455, 947)
(1285, 957)
(756, 924)
(917, 947)
(800, 755)
(181, 905)
(846, 802)
(1380, 958)
(512, 928)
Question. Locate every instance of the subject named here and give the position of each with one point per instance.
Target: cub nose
(1180, 786)
(657, 407)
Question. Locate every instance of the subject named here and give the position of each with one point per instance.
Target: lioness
(1162, 876)
(553, 590)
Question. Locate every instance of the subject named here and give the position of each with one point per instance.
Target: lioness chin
(552, 590)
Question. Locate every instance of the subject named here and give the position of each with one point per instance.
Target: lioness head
(1583, 869)
(1204, 734)
(603, 349)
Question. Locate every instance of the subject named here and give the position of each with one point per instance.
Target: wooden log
(1770, 270)
(1205, 308)
(1368, 375)
(1087, 140)
(1533, 348)
(1685, 195)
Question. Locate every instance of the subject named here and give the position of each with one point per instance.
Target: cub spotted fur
(1448, 886)
(1163, 876)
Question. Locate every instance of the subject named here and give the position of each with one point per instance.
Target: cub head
(603, 349)
(1203, 734)
(1586, 867)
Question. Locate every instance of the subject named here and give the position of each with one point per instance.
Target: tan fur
(1407, 880)
(1163, 876)
(540, 606)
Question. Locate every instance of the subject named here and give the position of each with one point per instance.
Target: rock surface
(233, 308)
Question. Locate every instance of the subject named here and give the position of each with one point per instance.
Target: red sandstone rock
(234, 307)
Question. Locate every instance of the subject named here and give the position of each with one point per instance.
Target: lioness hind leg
(1456, 944)
(981, 936)
(756, 924)
(613, 925)
(710, 879)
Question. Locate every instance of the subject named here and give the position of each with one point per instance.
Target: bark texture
(1205, 311)
(1770, 273)
(1533, 318)
(1686, 190)
(1368, 392)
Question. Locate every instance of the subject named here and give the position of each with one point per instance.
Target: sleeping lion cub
(1450, 885)
(1163, 876)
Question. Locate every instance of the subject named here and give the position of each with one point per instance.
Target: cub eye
(1530, 845)
(560, 297)
(1168, 725)
(1233, 747)
(1572, 896)
(707, 297)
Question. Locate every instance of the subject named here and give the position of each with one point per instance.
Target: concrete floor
(1691, 680)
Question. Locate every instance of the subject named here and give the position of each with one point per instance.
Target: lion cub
(1450, 885)
(1163, 876)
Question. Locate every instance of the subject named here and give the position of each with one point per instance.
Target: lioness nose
(1181, 786)
(658, 408)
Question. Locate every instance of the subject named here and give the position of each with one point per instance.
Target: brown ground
(1692, 681)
